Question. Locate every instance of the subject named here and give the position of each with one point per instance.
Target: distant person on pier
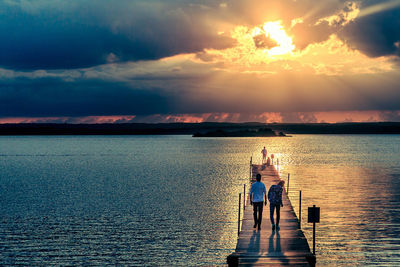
(258, 193)
(275, 203)
(264, 155)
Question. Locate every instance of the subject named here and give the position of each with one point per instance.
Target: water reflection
(172, 200)
(359, 195)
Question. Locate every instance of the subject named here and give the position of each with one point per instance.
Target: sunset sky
(193, 61)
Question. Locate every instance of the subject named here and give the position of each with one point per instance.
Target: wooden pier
(288, 246)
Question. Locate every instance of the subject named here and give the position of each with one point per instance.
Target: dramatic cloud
(45, 97)
(188, 61)
(72, 34)
(377, 31)
(180, 85)
(57, 34)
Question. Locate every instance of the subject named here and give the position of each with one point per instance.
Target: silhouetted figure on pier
(264, 155)
(258, 193)
(275, 202)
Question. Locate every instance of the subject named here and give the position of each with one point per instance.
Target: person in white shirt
(258, 193)
(264, 155)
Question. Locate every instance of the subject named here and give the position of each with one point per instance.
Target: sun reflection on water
(357, 189)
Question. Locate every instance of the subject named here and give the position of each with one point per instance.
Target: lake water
(172, 200)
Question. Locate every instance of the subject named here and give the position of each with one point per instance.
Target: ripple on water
(172, 200)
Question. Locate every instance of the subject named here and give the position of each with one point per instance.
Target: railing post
(313, 239)
(300, 210)
(244, 197)
(313, 217)
(288, 180)
(251, 163)
(240, 198)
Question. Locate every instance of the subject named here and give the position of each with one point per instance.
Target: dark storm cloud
(376, 34)
(42, 95)
(52, 34)
(45, 97)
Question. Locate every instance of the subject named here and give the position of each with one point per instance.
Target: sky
(86, 61)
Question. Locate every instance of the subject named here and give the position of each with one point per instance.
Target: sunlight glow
(267, 49)
(275, 31)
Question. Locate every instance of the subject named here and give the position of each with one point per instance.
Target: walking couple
(258, 194)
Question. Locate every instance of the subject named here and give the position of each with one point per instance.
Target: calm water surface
(172, 200)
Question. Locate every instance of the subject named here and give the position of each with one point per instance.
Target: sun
(256, 46)
(273, 39)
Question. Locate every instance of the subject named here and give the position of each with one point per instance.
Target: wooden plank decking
(288, 246)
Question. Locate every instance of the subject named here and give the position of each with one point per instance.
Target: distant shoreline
(243, 129)
(261, 132)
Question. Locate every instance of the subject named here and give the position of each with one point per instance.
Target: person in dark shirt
(275, 202)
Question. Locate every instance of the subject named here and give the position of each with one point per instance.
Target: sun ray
(379, 8)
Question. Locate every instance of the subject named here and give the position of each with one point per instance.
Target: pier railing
(246, 195)
(290, 192)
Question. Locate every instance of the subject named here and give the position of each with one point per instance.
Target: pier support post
(240, 199)
(251, 163)
(313, 239)
(288, 180)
